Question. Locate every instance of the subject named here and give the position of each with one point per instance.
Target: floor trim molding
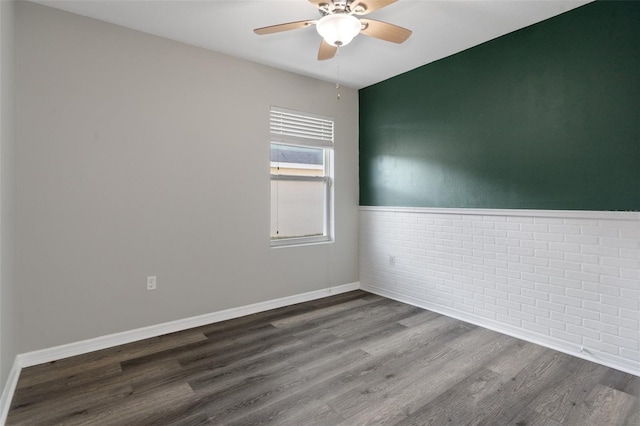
(572, 214)
(77, 348)
(546, 341)
(9, 389)
(55, 353)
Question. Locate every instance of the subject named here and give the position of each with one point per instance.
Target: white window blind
(308, 130)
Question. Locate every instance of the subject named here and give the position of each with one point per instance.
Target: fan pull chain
(338, 73)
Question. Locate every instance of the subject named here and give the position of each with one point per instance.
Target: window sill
(300, 242)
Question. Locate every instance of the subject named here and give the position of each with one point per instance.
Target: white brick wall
(567, 280)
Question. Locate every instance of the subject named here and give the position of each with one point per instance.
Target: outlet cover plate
(151, 283)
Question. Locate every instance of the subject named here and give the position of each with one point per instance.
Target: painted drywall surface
(8, 290)
(547, 117)
(558, 278)
(141, 156)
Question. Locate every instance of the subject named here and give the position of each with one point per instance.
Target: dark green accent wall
(547, 117)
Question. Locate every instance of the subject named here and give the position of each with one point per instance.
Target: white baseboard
(78, 348)
(8, 391)
(599, 357)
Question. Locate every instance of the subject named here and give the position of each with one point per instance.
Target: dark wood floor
(351, 359)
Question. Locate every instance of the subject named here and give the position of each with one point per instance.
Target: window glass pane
(297, 209)
(296, 160)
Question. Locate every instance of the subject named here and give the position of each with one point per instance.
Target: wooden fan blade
(384, 31)
(283, 27)
(369, 5)
(326, 51)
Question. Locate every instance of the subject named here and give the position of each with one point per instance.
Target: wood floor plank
(413, 352)
(211, 373)
(557, 402)
(332, 379)
(92, 361)
(294, 403)
(349, 359)
(401, 359)
(145, 408)
(68, 405)
(390, 415)
(633, 417)
(41, 391)
(545, 372)
(102, 390)
(212, 353)
(528, 417)
(513, 362)
(340, 320)
(255, 391)
(337, 362)
(342, 298)
(621, 381)
(311, 413)
(457, 404)
(419, 333)
(419, 319)
(194, 418)
(293, 320)
(393, 313)
(425, 381)
(236, 373)
(603, 406)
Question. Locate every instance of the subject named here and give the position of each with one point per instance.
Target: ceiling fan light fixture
(338, 29)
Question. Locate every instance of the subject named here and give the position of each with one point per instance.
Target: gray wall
(141, 156)
(8, 291)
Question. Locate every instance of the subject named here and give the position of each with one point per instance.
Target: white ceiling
(440, 28)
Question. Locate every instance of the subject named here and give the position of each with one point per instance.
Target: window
(301, 177)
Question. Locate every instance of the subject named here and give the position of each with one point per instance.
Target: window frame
(281, 136)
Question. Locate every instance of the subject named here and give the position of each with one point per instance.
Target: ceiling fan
(339, 24)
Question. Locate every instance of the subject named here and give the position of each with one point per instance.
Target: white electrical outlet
(151, 283)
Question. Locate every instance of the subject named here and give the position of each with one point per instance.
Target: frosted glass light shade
(338, 29)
